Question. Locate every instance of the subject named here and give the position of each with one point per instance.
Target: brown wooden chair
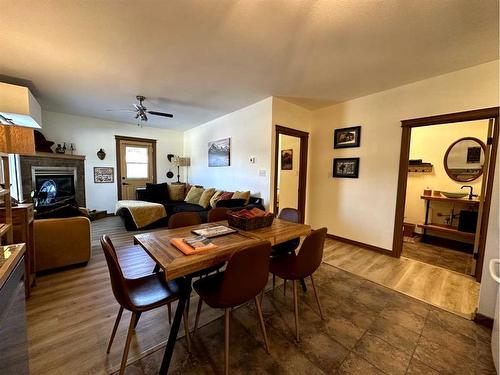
(184, 219)
(292, 215)
(244, 278)
(304, 264)
(217, 214)
(138, 295)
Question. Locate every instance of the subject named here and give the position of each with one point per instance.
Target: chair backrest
(290, 214)
(118, 281)
(217, 214)
(184, 219)
(311, 253)
(246, 274)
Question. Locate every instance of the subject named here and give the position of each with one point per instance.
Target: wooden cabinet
(22, 222)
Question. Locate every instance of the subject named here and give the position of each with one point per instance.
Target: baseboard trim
(483, 320)
(377, 249)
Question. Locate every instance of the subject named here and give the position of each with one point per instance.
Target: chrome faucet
(471, 190)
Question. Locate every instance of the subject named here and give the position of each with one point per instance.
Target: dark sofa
(173, 207)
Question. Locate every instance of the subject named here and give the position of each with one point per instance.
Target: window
(136, 159)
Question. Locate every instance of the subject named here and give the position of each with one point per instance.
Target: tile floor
(369, 329)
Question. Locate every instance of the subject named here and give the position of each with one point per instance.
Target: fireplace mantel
(57, 156)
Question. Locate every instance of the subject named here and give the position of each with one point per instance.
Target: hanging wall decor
(104, 175)
(347, 137)
(101, 154)
(219, 153)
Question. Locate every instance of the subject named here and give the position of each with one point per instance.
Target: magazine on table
(219, 230)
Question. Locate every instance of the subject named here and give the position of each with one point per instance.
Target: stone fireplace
(60, 176)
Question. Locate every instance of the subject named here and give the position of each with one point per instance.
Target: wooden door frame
(407, 125)
(304, 145)
(119, 138)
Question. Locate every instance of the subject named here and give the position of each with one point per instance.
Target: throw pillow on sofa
(157, 192)
(176, 192)
(205, 197)
(242, 195)
(224, 197)
(194, 195)
(215, 198)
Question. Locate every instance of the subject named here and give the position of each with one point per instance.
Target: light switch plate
(262, 173)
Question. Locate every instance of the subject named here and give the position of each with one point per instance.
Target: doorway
(431, 215)
(290, 176)
(136, 165)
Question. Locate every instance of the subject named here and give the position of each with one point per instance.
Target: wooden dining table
(176, 265)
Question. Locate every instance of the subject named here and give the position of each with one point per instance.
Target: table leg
(174, 328)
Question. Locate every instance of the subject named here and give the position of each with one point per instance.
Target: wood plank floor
(437, 286)
(71, 313)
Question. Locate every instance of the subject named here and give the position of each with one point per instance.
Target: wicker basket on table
(247, 224)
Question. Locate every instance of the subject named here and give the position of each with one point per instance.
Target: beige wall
(288, 180)
(363, 209)
(250, 131)
(430, 143)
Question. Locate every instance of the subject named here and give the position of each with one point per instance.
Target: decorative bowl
(447, 194)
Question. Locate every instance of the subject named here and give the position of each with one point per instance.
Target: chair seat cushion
(208, 288)
(285, 267)
(153, 291)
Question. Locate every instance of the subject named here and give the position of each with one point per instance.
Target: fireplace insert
(53, 184)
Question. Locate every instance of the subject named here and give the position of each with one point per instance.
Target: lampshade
(16, 140)
(179, 161)
(19, 107)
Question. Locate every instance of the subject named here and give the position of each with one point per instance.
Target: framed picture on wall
(347, 137)
(104, 175)
(346, 167)
(219, 153)
(287, 160)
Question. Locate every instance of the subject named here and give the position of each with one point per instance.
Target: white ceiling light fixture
(19, 107)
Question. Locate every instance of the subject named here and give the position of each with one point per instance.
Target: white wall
(363, 209)
(90, 134)
(430, 143)
(250, 131)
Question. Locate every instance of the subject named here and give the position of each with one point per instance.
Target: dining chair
(139, 295)
(304, 264)
(217, 214)
(244, 278)
(292, 215)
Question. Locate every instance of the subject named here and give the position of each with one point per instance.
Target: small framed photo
(104, 175)
(346, 167)
(347, 137)
(287, 160)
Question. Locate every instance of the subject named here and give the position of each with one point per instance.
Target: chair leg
(113, 333)
(261, 296)
(169, 313)
(317, 298)
(274, 282)
(226, 341)
(284, 287)
(156, 269)
(137, 317)
(198, 311)
(303, 284)
(186, 330)
(127, 343)
(262, 325)
(296, 308)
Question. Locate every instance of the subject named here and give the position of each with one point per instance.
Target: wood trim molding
(483, 320)
(348, 241)
(304, 151)
(478, 114)
(119, 138)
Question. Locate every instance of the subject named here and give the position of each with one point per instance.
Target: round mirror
(464, 159)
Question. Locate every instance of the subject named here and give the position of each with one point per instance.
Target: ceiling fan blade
(161, 114)
(120, 110)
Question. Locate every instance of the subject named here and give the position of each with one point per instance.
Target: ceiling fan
(141, 111)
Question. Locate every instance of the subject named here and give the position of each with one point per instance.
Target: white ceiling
(202, 59)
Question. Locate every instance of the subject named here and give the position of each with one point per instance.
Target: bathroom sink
(447, 194)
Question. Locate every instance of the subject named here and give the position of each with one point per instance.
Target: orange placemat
(188, 250)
